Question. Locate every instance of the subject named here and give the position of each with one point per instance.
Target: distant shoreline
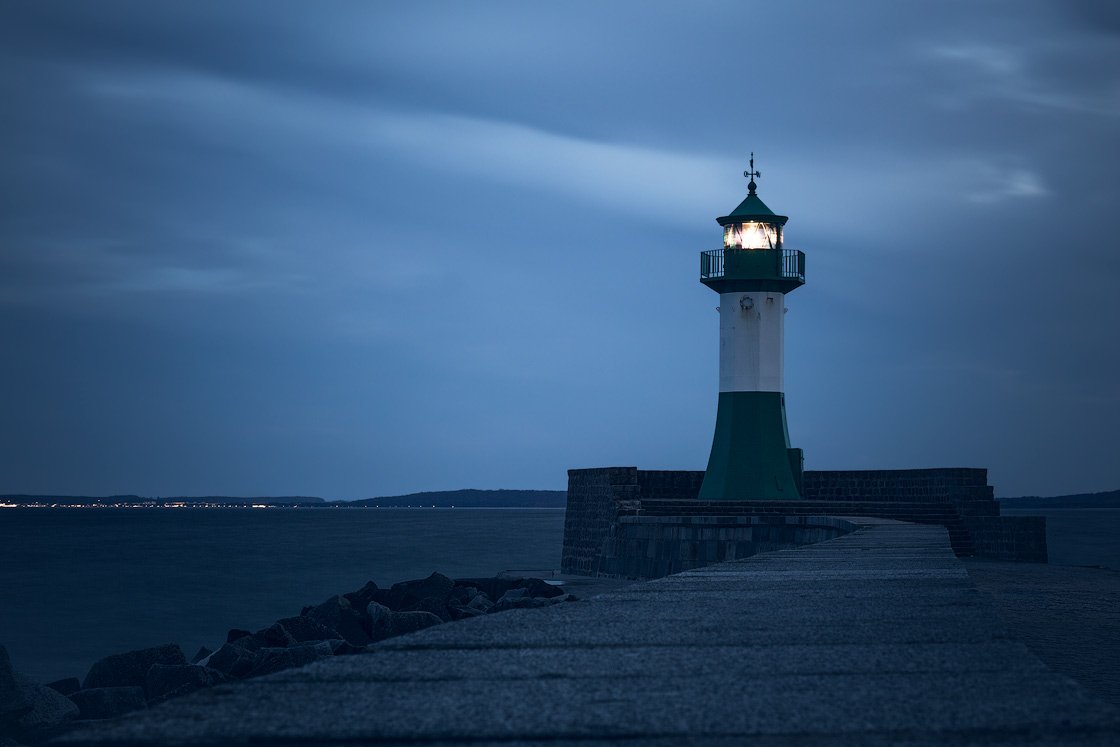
(467, 498)
(1110, 499)
(289, 507)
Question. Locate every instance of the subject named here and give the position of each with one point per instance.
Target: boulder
(512, 594)
(362, 597)
(233, 660)
(216, 677)
(302, 629)
(411, 593)
(461, 595)
(535, 587)
(129, 669)
(467, 601)
(276, 659)
(387, 598)
(337, 614)
(381, 621)
(492, 587)
(203, 652)
(236, 634)
(408, 622)
(66, 686)
(13, 703)
(108, 702)
(48, 709)
(170, 680)
(275, 636)
(251, 642)
(480, 602)
(436, 606)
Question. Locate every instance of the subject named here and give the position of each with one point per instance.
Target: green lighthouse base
(751, 459)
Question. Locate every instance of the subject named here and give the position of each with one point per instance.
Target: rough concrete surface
(877, 637)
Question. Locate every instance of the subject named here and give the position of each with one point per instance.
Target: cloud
(72, 271)
(659, 184)
(1057, 72)
(983, 58)
(993, 184)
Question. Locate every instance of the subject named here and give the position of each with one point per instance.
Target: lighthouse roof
(752, 208)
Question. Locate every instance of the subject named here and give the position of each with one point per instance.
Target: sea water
(80, 584)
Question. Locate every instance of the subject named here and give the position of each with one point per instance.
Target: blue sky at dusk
(351, 249)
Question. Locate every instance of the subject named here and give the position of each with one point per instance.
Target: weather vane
(752, 174)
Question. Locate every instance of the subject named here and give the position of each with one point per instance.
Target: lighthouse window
(754, 235)
(732, 238)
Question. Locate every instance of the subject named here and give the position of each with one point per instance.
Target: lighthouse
(751, 458)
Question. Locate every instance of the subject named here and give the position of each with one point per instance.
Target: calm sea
(79, 584)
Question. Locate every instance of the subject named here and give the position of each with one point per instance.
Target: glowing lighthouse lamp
(751, 457)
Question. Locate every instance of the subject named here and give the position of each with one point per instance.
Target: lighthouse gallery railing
(783, 263)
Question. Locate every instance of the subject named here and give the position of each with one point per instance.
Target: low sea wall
(957, 498)
(965, 488)
(647, 547)
(594, 499)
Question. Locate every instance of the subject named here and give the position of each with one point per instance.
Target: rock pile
(29, 711)
(346, 624)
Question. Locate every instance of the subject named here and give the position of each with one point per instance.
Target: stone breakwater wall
(649, 547)
(965, 488)
(959, 499)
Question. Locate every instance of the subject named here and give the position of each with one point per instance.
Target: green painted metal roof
(752, 208)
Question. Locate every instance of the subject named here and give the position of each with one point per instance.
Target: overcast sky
(358, 249)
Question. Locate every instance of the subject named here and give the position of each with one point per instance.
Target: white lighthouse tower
(751, 457)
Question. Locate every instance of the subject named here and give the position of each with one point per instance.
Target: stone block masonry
(594, 499)
(965, 488)
(959, 499)
(648, 547)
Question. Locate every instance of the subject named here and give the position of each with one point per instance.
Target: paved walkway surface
(875, 638)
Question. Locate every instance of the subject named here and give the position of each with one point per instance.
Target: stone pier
(877, 637)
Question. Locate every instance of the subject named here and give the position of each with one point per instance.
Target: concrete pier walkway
(875, 638)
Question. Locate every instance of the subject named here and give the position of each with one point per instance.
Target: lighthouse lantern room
(751, 458)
